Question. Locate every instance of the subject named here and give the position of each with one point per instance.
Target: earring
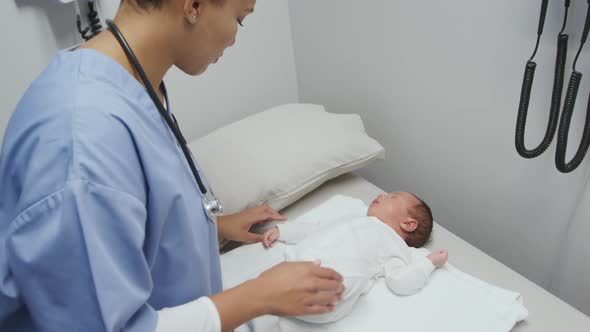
(192, 19)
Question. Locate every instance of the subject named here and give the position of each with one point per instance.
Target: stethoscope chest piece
(212, 206)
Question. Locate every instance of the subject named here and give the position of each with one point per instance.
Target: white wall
(438, 84)
(571, 278)
(32, 32)
(258, 72)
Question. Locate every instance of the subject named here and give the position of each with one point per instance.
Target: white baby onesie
(361, 249)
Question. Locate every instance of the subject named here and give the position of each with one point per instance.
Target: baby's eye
(240, 22)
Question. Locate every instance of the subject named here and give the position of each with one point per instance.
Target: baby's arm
(270, 236)
(408, 279)
(289, 232)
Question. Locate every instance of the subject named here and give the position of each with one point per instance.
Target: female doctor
(101, 222)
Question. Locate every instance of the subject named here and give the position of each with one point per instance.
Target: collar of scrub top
(211, 204)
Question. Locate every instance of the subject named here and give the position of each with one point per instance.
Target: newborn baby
(365, 248)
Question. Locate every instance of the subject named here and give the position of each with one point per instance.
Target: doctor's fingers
(322, 298)
(252, 238)
(318, 309)
(278, 217)
(325, 273)
(324, 285)
(270, 214)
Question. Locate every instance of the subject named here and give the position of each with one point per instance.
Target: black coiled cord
(566, 117)
(94, 27)
(564, 127)
(527, 84)
(93, 19)
(558, 83)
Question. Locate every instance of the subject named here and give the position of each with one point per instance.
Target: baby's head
(407, 214)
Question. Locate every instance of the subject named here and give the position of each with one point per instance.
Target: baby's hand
(270, 236)
(439, 258)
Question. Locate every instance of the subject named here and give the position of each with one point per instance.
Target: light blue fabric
(101, 222)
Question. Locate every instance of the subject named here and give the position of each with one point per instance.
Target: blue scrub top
(101, 222)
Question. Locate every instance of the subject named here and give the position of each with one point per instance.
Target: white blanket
(452, 300)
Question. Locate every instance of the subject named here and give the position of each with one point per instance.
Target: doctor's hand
(287, 289)
(236, 227)
(300, 288)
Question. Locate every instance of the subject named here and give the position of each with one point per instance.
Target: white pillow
(277, 156)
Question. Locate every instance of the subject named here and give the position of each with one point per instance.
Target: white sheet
(452, 301)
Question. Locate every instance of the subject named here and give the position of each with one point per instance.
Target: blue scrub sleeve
(78, 260)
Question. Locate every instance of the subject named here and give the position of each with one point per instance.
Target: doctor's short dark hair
(158, 3)
(422, 213)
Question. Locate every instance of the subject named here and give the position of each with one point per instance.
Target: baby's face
(393, 208)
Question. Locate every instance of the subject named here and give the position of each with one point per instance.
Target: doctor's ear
(191, 10)
(409, 225)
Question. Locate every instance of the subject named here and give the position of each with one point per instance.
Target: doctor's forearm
(220, 220)
(240, 304)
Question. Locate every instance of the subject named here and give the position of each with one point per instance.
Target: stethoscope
(211, 204)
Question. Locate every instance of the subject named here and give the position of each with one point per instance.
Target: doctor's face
(215, 30)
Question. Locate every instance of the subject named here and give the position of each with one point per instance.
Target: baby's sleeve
(293, 232)
(407, 279)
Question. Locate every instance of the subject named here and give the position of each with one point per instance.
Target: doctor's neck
(150, 34)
